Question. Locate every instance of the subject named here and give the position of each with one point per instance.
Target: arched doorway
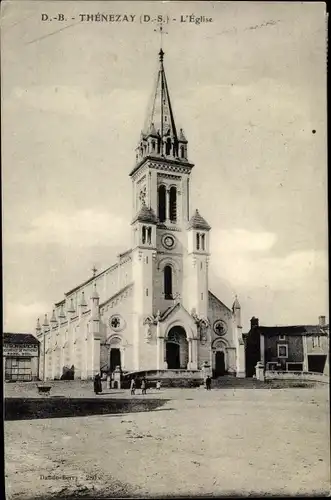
(115, 352)
(220, 360)
(177, 349)
(115, 358)
(219, 364)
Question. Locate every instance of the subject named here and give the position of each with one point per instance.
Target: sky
(249, 90)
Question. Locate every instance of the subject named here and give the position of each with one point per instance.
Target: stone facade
(288, 348)
(152, 310)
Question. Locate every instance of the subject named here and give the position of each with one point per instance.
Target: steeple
(38, 327)
(236, 304)
(198, 222)
(160, 115)
(53, 318)
(159, 137)
(145, 214)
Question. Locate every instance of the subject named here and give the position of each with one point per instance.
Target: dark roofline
(121, 255)
(20, 338)
(291, 330)
(60, 303)
(90, 279)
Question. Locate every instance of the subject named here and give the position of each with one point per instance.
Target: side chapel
(152, 309)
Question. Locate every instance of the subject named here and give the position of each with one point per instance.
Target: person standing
(158, 385)
(97, 384)
(133, 386)
(143, 386)
(208, 383)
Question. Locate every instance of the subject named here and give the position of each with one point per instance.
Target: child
(143, 386)
(133, 387)
(158, 385)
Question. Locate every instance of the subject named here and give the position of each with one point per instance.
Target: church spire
(159, 136)
(160, 115)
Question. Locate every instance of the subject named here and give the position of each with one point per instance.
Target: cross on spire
(162, 32)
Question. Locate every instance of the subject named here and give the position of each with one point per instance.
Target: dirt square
(193, 442)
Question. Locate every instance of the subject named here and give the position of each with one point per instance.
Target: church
(152, 310)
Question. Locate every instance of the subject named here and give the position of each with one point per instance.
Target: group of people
(134, 384)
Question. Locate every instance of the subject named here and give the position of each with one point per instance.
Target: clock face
(168, 241)
(220, 327)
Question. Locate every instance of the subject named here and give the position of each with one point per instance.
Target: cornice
(168, 165)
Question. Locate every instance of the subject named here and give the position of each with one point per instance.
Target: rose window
(220, 327)
(116, 323)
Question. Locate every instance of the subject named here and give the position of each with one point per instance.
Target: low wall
(166, 374)
(289, 375)
(168, 378)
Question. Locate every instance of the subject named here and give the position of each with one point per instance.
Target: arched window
(182, 151)
(175, 149)
(203, 242)
(158, 145)
(149, 235)
(173, 203)
(144, 234)
(168, 146)
(198, 241)
(162, 203)
(153, 145)
(167, 275)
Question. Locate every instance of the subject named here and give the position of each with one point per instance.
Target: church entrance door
(219, 364)
(173, 359)
(115, 358)
(177, 349)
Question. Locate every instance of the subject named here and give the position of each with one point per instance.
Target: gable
(212, 298)
(177, 313)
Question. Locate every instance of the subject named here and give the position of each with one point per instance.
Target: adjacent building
(288, 348)
(21, 357)
(152, 309)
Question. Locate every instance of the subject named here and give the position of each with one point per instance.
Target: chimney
(321, 320)
(254, 322)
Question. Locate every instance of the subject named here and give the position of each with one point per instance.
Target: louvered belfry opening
(162, 203)
(173, 204)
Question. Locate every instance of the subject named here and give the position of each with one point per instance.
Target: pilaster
(262, 349)
(194, 352)
(305, 353)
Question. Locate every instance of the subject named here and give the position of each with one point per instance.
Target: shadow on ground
(33, 408)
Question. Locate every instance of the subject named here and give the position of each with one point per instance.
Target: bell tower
(161, 185)
(162, 170)
(169, 266)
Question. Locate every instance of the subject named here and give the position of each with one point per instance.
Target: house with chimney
(303, 348)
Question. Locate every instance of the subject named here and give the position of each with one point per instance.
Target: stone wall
(306, 376)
